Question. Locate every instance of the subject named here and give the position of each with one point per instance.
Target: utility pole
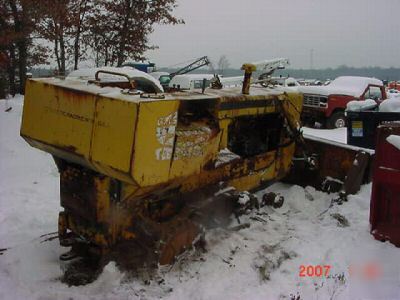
(311, 59)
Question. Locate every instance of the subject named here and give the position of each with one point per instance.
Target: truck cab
(326, 104)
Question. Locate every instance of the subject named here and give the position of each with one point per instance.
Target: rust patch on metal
(356, 173)
(78, 192)
(177, 240)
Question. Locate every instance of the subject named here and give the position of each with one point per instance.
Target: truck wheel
(336, 120)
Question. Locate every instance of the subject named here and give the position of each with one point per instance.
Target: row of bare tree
(67, 32)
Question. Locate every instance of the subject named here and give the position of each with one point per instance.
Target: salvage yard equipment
(165, 80)
(140, 173)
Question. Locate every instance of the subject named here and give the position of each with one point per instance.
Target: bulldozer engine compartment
(249, 136)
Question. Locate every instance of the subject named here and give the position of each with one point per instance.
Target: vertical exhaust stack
(248, 71)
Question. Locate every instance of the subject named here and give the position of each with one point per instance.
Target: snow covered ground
(259, 262)
(337, 135)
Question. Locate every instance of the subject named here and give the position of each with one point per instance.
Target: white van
(190, 81)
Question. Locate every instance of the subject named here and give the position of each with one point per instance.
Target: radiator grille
(315, 100)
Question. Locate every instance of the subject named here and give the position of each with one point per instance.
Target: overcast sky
(352, 32)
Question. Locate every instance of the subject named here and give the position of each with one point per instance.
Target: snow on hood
(344, 85)
(142, 78)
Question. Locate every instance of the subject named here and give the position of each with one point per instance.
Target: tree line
(320, 74)
(331, 73)
(108, 32)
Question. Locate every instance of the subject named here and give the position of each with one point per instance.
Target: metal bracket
(130, 80)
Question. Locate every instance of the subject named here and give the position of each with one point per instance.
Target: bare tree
(119, 29)
(17, 24)
(63, 24)
(8, 63)
(80, 10)
(223, 64)
(53, 27)
(113, 30)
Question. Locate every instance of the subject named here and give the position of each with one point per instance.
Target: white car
(285, 81)
(190, 81)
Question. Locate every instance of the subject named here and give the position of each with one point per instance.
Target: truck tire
(336, 120)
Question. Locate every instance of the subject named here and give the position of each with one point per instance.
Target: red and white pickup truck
(326, 104)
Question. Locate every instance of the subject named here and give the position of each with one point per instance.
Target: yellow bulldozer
(141, 170)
